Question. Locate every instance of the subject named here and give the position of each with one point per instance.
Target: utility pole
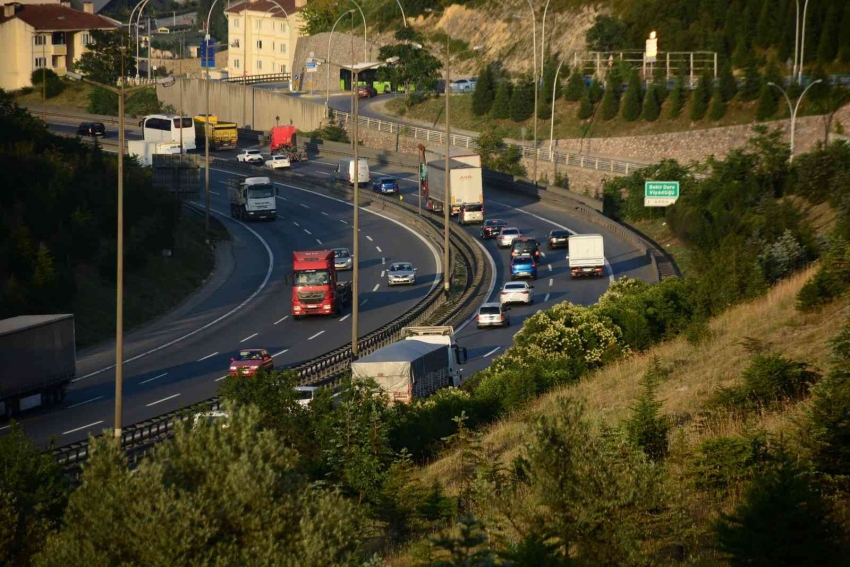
(355, 272)
(447, 206)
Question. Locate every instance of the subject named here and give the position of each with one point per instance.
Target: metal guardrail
(259, 79)
(138, 439)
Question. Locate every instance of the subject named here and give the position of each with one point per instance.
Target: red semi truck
(315, 288)
(282, 140)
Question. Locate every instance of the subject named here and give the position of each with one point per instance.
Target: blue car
(523, 266)
(385, 185)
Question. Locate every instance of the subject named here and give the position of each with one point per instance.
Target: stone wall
(249, 107)
(344, 47)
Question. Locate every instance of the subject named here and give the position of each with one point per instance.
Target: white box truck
(252, 198)
(146, 150)
(587, 255)
(345, 171)
(425, 360)
(466, 187)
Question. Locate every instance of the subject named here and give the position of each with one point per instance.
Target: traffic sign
(207, 52)
(311, 67)
(660, 193)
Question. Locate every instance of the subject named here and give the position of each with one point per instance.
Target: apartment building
(262, 39)
(33, 36)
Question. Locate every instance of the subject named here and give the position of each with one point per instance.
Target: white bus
(167, 127)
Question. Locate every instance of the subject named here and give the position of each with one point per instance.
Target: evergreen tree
(844, 37)
(501, 107)
(829, 412)
(676, 100)
(585, 108)
(767, 105)
(751, 88)
(699, 100)
(766, 24)
(575, 86)
(828, 44)
(631, 104)
(741, 55)
(595, 91)
(647, 428)
(610, 100)
(727, 85)
(819, 92)
(717, 109)
(522, 101)
(651, 105)
(482, 97)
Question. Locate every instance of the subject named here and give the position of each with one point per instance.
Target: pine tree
(676, 100)
(585, 108)
(651, 106)
(751, 88)
(631, 104)
(647, 428)
(482, 97)
(699, 101)
(742, 52)
(501, 107)
(844, 38)
(522, 101)
(44, 273)
(717, 109)
(767, 104)
(610, 101)
(727, 86)
(828, 44)
(575, 86)
(595, 91)
(765, 25)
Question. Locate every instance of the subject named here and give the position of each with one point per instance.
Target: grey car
(343, 260)
(401, 273)
(493, 315)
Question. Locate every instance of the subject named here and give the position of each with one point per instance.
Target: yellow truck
(223, 135)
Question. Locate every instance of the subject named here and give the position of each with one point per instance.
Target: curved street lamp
(330, 37)
(536, 81)
(792, 111)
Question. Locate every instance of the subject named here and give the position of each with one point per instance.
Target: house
(33, 36)
(262, 39)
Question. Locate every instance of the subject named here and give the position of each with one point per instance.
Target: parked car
(522, 246)
(343, 260)
(248, 361)
(278, 162)
(507, 236)
(366, 92)
(250, 156)
(558, 239)
(401, 273)
(517, 292)
(385, 185)
(91, 129)
(492, 228)
(493, 315)
(461, 86)
(523, 266)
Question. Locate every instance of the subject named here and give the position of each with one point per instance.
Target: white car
(507, 236)
(250, 156)
(278, 162)
(493, 315)
(517, 292)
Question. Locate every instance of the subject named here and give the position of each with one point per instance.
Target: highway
(187, 371)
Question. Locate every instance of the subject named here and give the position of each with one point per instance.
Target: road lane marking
(491, 352)
(551, 281)
(308, 232)
(85, 402)
(383, 261)
(220, 379)
(543, 254)
(326, 214)
(162, 400)
(284, 318)
(377, 285)
(378, 248)
(364, 302)
(207, 356)
(5, 427)
(283, 198)
(316, 335)
(545, 299)
(303, 205)
(550, 267)
(284, 351)
(369, 238)
(296, 224)
(342, 221)
(319, 241)
(249, 338)
(344, 318)
(324, 173)
(383, 272)
(83, 427)
(215, 192)
(154, 378)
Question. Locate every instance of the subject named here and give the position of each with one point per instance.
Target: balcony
(60, 49)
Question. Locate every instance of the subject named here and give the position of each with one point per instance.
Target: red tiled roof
(264, 5)
(54, 17)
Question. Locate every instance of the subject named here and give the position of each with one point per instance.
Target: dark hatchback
(385, 185)
(91, 129)
(558, 239)
(492, 228)
(523, 246)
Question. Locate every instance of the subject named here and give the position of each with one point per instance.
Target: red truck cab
(315, 288)
(282, 138)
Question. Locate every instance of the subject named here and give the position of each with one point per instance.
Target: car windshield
(473, 208)
(560, 234)
(494, 310)
(279, 158)
(303, 394)
(523, 245)
(341, 253)
(387, 181)
(495, 223)
(401, 267)
(250, 355)
(509, 231)
(263, 192)
(523, 260)
(253, 152)
(312, 277)
(515, 287)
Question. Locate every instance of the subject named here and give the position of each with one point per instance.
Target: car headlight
(233, 368)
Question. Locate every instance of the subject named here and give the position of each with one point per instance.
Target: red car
(366, 92)
(249, 361)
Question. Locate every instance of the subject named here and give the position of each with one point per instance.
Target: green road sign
(660, 193)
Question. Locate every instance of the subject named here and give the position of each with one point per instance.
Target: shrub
(651, 105)
(647, 428)
(676, 100)
(576, 89)
(717, 110)
(782, 257)
(610, 102)
(727, 86)
(767, 105)
(751, 87)
(830, 281)
(632, 102)
(501, 107)
(773, 377)
(829, 412)
(522, 101)
(44, 74)
(595, 91)
(723, 462)
(585, 107)
(482, 97)
(699, 99)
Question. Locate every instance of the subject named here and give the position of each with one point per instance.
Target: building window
(235, 22)
(283, 48)
(235, 43)
(282, 68)
(86, 39)
(259, 64)
(259, 44)
(283, 28)
(235, 63)
(40, 40)
(40, 62)
(259, 24)
(58, 38)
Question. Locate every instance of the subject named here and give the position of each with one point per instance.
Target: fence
(260, 79)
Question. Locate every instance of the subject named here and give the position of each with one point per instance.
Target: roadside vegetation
(58, 231)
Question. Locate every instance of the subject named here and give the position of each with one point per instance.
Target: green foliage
(545, 99)
(502, 103)
(469, 549)
(700, 98)
(40, 75)
(766, 24)
(647, 428)
(497, 155)
(727, 85)
(610, 101)
(576, 89)
(830, 281)
(723, 463)
(142, 103)
(106, 56)
(414, 67)
(485, 92)
(632, 102)
(522, 101)
(751, 88)
(33, 495)
(768, 379)
(595, 91)
(585, 108)
(783, 520)
(844, 39)
(606, 34)
(318, 16)
(830, 34)
(651, 104)
(717, 109)
(767, 104)
(218, 22)
(676, 101)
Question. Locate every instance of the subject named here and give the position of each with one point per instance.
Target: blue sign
(207, 53)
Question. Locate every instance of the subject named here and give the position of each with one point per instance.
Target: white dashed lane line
(162, 400)
(376, 287)
(207, 356)
(491, 352)
(220, 379)
(364, 302)
(369, 238)
(545, 299)
(308, 232)
(85, 402)
(83, 427)
(319, 241)
(282, 319)
(344, 318)
(249, 337)
(383, 261)
(284, 351)
(383, 272)
(154, 378)
(342, 221)
(551, 281)
(550, 267)
(326, 214)
(303, 205)
(316, 335)
(296, 224)
(378, 248)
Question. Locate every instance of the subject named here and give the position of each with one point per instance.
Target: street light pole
(534, 39)
(552, 123)
(355, 272)
(792, 111)
(796, 41)
(330, 37)
(802, 43)
(447, 207)
(207, 126)
(365, 43)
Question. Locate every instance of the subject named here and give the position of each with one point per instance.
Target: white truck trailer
(425, 360)
(466, 187)
(252, 198)
(587, 255)
(145, 151)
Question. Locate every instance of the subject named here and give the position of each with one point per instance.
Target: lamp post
(403, 17)
(141, 7)
(552, 121)
(802, 44)
(121, 91)
(365, 43)
(330, 37)
(206, 131)
(543, 38)
(792, 110)
(536, 81)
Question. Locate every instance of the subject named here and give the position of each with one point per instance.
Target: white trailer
(146, 150)
(424, 361)
(466, 184)
(252, 198)
(587, 255)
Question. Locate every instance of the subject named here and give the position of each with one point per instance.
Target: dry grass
(75, 96)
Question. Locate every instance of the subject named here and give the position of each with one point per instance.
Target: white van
(345, 171)
(471, 213)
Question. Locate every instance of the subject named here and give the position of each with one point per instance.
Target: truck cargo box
(466, 183)
(407, 369)
(587, 254)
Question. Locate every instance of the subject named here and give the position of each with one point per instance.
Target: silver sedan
(401, 273)
(343, 260)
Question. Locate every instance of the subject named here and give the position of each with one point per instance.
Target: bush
(676, 101)
(485, 92)
(829, 413)
(501, 107)
(647, 428)
(595, 91)
(610, 102)
(767, 105)
(700, 98)
(768, 379)
(830, 281)
(576, 89)
(54, 88)
(751, 87)
(522, 101)
(722, 463)
(717, 110)
(632, 102)
(651, 104)
(142, 103)
(39, 75)
(782, 257)
(727, 86)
